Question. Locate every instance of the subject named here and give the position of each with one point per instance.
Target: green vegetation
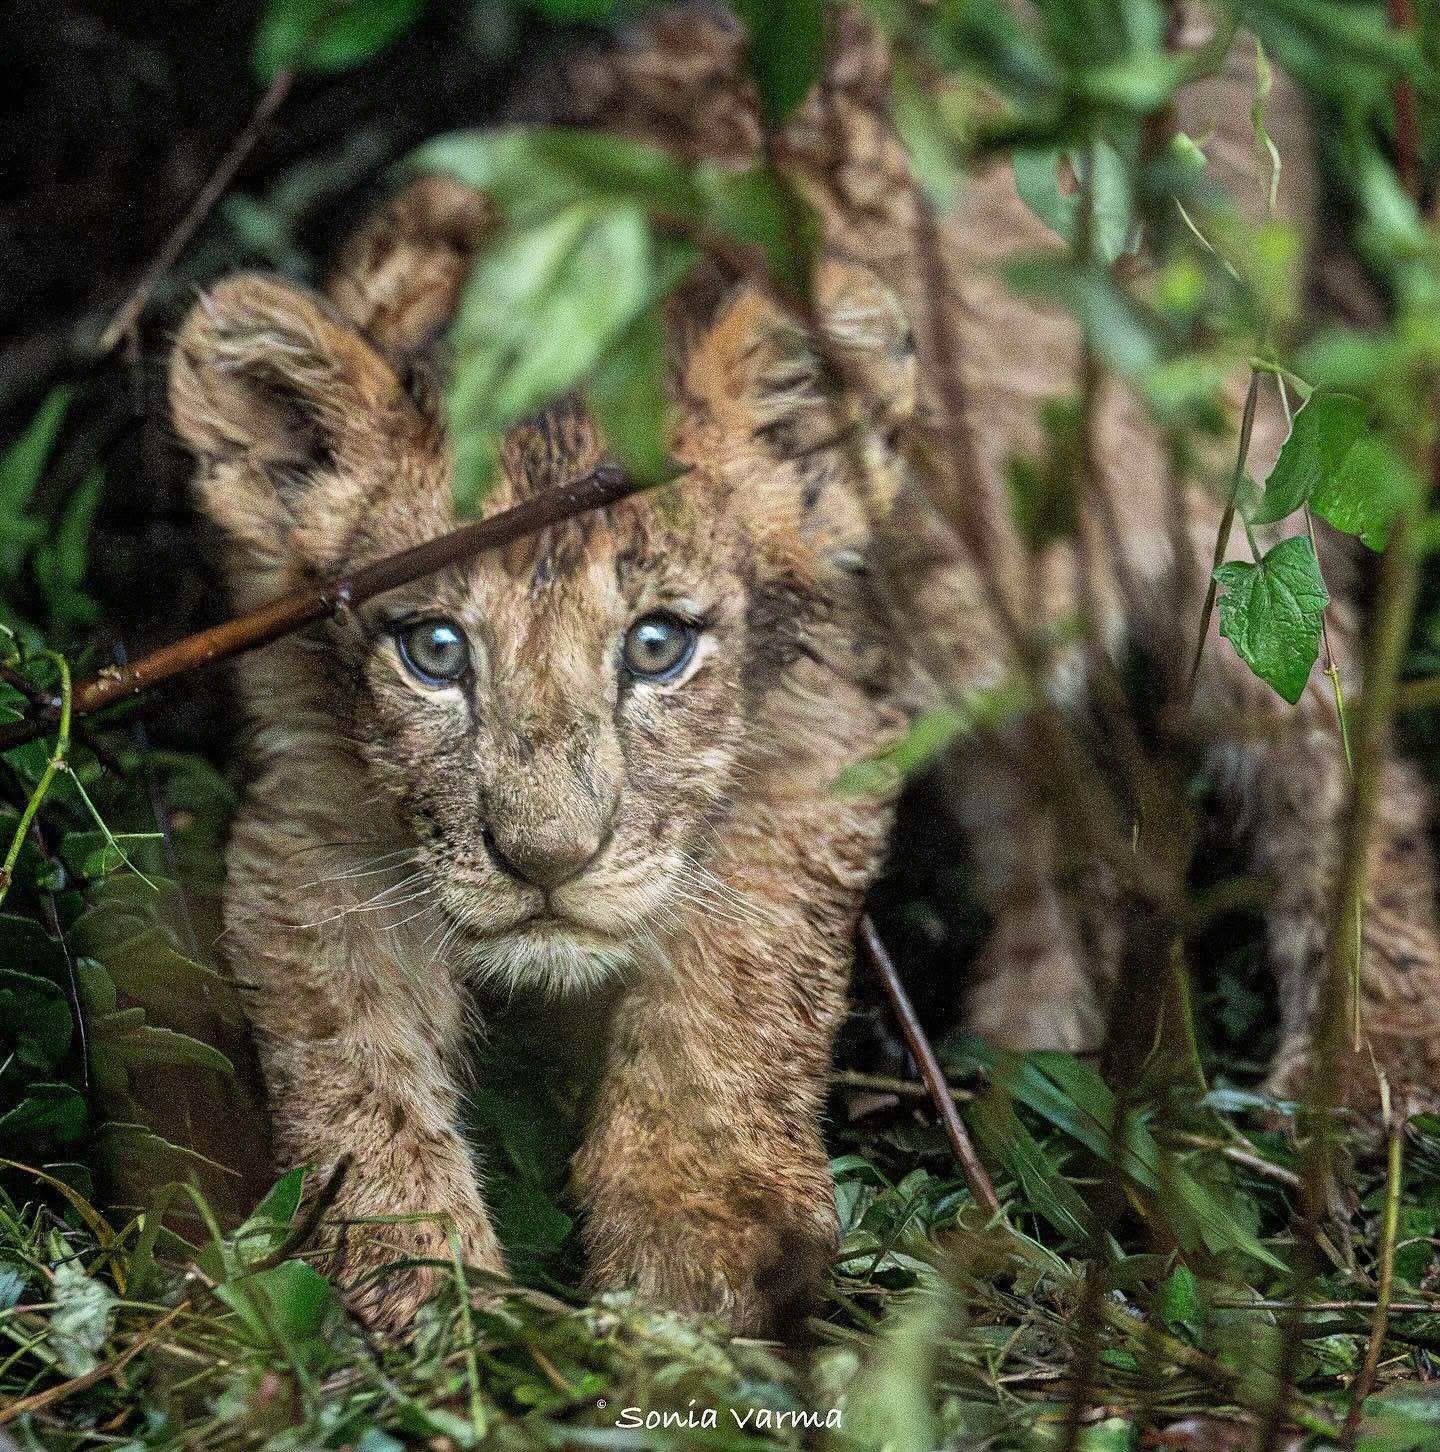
(1161, 1261)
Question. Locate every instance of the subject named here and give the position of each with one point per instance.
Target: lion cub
(605, 753)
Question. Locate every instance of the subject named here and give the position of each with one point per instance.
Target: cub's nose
(544, 858)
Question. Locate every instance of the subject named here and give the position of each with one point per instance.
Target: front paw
(761, 1271)
(387, 1272)
(1034, 993)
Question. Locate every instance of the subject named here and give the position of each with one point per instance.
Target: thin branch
(1365, 1377)
(887, 1084)
(1390, 621)
(331, 598)
(1233, 1378)
(1407, 127)
(930, 1071)
(51, 1395)
(1325, 1308)
(123, 323)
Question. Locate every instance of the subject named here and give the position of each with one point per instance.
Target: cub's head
(561, 727)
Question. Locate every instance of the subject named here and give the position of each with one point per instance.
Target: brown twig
(930, 1071)
(1407, 128)
(1246, 1159)
(1222, 533)
(1380, 1323)
(887, 1084)
(123, 323)
(331, 598)
(40, 1400)
(1324, 1308)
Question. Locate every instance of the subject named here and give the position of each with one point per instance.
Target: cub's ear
(289, 410)
(808, 421)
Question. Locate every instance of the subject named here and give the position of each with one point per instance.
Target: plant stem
(1222, 535)
(1390, 628)
(56, 764)
(1365, 1378)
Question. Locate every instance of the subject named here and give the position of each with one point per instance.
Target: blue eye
(434, 651)
(658, 647)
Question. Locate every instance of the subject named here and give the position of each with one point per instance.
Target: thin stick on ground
(930, 1071)
(123, 323)
(886, 1084)
(47, 1398)
(330, 598)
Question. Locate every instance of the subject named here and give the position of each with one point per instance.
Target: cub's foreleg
(1045, 974)
(706, 1180)
(357, 1043)
(1284, 767)
(1302, 788)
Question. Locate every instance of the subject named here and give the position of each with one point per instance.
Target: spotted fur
(717, 872)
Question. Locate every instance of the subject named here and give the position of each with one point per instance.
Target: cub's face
(561, 726)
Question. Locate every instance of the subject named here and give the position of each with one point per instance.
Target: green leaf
(23, 465)
(143, 1148)
(931, 133)
(1351, 476)
(25, 945)
(1177, 1299)
(539, 310)
(626, 393)
(1272, 611)
(763, 210)
(48, 1111)
(1074, 1098)
(786, 51)
(81, 1319)
(552, 303)
(148, 1044)
(144, 964)
(1125, 339)
(929, 735)
(1037, 179)
(262, 1231)
(531, 173)
(282, 1201)
(1369, 492)
(285, 1306)
(62, 561)
(1047, 1192)
(94, 854)
(35, 1018)
(321, 35)
(13, 1281)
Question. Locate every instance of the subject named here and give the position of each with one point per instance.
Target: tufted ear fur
(820, 413)
(290, 411)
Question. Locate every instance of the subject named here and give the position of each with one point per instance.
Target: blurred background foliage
(1156, 1242)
